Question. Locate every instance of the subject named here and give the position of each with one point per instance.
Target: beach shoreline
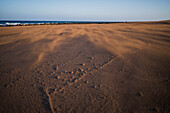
(27, 23)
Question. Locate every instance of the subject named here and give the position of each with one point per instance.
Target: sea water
(14, 23)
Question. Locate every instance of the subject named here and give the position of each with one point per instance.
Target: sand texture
(85, 68)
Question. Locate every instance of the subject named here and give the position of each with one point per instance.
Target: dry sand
(90, 68)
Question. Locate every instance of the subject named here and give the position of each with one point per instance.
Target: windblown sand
(91, 68)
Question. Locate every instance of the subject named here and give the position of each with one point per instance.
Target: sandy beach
(85, 68)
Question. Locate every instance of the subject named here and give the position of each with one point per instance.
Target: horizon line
(84, 20)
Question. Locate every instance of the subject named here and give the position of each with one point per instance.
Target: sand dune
(85, 68)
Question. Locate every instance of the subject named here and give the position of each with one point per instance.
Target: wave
(12, 24)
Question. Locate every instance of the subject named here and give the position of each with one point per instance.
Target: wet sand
(85, 68)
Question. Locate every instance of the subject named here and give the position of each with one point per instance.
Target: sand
(85, 68)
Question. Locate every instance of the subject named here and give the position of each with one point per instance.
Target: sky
(85, 10)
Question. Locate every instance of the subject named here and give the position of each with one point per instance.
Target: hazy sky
(108, 10)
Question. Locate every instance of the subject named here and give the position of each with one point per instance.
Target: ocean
(15, 23)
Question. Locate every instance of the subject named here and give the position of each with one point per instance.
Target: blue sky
(101, 10)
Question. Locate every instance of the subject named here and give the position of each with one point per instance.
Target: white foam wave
(12, 24)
